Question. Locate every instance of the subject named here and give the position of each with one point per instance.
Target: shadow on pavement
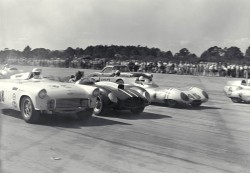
(129, 116)
(186, 107)
(66, 121)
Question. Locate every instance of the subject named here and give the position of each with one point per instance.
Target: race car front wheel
(137, 110)
(171, 103)
(29, 114)
(100, 108)
(236, 100)
(195, 104)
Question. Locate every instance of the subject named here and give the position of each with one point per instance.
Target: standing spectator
(246, 71)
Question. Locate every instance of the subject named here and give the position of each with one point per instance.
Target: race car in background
(33, 97)
(238, 90)
(8, 71)
(119, 74)
(172, 97)
(115, 96)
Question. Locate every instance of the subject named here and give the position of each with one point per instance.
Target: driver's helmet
(141, 78)
(36, 72)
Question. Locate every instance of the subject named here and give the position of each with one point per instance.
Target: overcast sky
(165, 24)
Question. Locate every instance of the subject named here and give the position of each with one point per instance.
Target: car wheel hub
(27, 109)
(98, 105)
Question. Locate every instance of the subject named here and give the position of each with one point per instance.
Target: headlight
(112, 97)
(42, 94)
(96, 92)
(146, 95)
(184, 96)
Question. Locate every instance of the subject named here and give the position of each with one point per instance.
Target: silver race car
(238, 90)
(172, 97)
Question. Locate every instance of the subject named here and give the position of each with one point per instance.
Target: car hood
(119, 93)
(54, 89)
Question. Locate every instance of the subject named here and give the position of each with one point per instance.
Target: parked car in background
(119, 74)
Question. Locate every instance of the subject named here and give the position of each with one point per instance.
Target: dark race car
(119, 74)
(115, 96)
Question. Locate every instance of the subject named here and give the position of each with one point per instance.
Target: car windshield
(121, 68)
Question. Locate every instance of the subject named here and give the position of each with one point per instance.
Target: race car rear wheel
(171, 103)
(137, 110)
(85, 115)
(120, 81)
(29, 114)
(99, 108)
(236, 100)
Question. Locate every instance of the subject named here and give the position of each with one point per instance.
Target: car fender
(199, 93)
(172, 94)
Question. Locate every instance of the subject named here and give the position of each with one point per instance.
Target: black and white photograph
(124, 86)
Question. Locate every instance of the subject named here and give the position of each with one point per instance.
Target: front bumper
(72, 105)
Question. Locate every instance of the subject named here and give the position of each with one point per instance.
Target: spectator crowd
(181, 68)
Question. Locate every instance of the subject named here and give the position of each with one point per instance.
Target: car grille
(133, 102)
(71, 103)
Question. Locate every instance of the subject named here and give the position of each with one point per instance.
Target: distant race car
(7, 71)
(115, 96)
(119, 74)
(173, 97)
(36, 96)
(238, 90)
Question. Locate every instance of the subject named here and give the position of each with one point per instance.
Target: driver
(6, 66)
(140, 80)
(36, 73)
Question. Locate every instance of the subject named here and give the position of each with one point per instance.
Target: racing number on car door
(1, 96)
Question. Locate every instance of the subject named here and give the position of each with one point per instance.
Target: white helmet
(37, 71)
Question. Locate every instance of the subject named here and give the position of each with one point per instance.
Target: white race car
(6, 72)
(36, 96)
(173, 97)
(238, 90)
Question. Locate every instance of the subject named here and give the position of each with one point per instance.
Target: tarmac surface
(212, 138)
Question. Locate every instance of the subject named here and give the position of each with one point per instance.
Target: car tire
(137, 110)
(120, 81)
(171, 103)
(28, 112)
(85, 115)
(236, 100)
(99, 109)
(195, 105)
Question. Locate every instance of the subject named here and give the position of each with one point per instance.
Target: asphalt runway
(213, 138)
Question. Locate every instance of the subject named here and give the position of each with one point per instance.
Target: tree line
(213, 54)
